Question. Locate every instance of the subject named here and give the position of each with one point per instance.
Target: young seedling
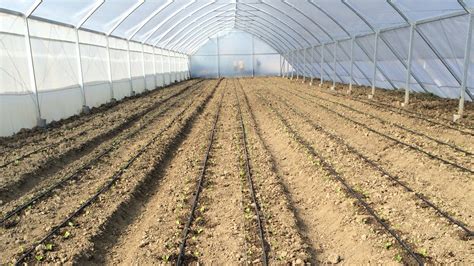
(49, 247)
(423, 252)
(66, 234)
(398, 258)
(388, 245)
(39, 257)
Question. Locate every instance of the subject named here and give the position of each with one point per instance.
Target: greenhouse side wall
(30, 86)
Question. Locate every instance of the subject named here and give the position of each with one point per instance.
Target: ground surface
(285, 172)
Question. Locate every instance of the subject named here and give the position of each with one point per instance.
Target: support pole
(218, 58)
(467, 55)
(154, 68)
(281, 66)
(409, 62)
(132, 92)
(169, 67)
(253, 57)
(297, 65)
(162, 56)
(322, 65)
(311, 63)
(292, 56)
(85, 108)
(351, 74)
(109, 61)
(335, 66)
(143, 66)
(374, 76)
(304, 63)
(40, 122)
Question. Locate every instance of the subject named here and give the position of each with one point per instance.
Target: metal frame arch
(292, 19)
(149, 18)
(268, 26)
(205, 34)
(194, 31)
(183, 19)
(278, 46)
(186, 27)
(157, 27)
(190, 31)
(271, 32)
(276, 19)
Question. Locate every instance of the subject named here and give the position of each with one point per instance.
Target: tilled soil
(145, 157)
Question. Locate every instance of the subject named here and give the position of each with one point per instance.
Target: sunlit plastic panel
(71, 13)
(108, 15)
(417, 10)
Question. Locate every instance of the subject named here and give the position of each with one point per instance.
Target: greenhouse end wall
(235, 54)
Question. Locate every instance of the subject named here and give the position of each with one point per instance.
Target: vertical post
(154, 68)
(281, 66)
(31, 69)
(218, 58)
(297, 68)
(376, 44)
(109, 61)
(322, 65)
(253, 57)
(132, 92)
(311, 60)
(467, 55)
(292, 58)
(304, 63)
(409, 60)
(335, 66)
(85, 108)
(162, 57)
(352, 66)
(143, 66)
(169, 66)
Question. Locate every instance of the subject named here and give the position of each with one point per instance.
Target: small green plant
(39, 257)
(49, 247)
(67, 234)
(398, 258)
(423, 252)
(71, 224)
(196, 253)
(199, 230)
(165, 258)
(388, 245)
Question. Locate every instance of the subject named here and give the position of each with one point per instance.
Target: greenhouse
(236, 132)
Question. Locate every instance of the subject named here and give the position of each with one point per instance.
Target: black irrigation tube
(248, 174)
(408, 113)
(415, 148)
(385, 122)
(330, 169)
(379, 168)
(128, 121)
(107, 186)
(75, 174)
(187, 228)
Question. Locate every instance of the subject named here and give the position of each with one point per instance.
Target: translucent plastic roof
(184, 25)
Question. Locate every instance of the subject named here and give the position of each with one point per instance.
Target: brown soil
(306, 214)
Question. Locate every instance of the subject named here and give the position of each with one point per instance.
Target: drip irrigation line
(248, 175)
(408, 113)
(380, 169)
(43, 194)
(128, 121)
(385, 122)
(330, 169)
(415, 148)
(108, 184)
(187, 228)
